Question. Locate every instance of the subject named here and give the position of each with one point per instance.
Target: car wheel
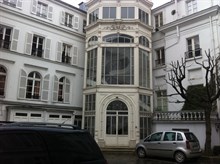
(141, 152)
(179, 157)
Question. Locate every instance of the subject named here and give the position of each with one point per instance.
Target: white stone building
(108, 72)
(183, 29)
(118, 71)
(42, 49)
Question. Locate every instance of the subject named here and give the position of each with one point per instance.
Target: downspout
(212, 36)
(178, 38)
(176, 6)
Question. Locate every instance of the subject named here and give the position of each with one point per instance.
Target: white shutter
(47, 49)
(59, 51)
(50, 13)
(34, 7)
(14, 42)
(22, 85)
(76, 22)
(75, 55)
(62, 17)
(19, 4)
(45, 88)
(67, 91)
(55, 89)
(28, 45)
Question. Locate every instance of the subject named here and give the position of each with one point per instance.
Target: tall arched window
(144, 41)
(63, 90)
(2, 80)
(33, 85)
(117, 118)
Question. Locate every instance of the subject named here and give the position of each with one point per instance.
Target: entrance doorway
(117, 124)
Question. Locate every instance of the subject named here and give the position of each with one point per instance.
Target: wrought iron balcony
(160, 62)
(37, 52)
(66, 59)
(193, 53)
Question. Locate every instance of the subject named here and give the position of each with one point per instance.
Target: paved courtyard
(131, 158)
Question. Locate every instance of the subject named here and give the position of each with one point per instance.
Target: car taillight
(187, 145)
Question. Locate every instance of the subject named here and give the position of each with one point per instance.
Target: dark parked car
(172, 144)
(32, 143)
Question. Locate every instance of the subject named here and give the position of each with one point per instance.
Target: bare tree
(176, 77)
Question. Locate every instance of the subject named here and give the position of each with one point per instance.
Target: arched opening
(117, 118)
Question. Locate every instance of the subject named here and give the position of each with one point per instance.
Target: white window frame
(65, 90)
(191, 6)
(160, 57)
(158, 20)
(34, 85)
(3, 74)
(162, 100)
(49, 9)
(12, 3)
(194, 47)
(109, 12)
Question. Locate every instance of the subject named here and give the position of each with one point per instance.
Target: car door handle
(158, 143)
(174, 142)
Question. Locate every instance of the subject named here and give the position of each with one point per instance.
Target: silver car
(170, 144)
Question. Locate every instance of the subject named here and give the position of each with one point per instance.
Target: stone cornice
(212, 11)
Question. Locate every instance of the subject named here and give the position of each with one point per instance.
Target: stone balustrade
(179, 115)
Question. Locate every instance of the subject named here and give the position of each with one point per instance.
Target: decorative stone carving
(118, 27)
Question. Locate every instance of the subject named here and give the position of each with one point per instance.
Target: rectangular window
(118, 65)
(90, 102)
(93, 16)
(162, 100)
(127, 12)
(191, 6)
(91, 68)
(84, 25)
(158, 20)
(109, 12)
(160, 57)
(66, 57)
(68, 20)
(42, 10)
(89, 121)
(143, 17)
(5, 37)
(13, 3)
(145, 126)
(144, 103)
(2, 81)
(144, 69)
(193, 46)
(37, 46)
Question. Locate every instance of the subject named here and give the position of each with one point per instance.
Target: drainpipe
(176, 6)
(178, 38)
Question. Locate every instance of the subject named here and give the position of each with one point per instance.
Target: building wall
(25, 21)
(172, 35)
(106, 93)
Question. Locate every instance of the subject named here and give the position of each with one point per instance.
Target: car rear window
(191, 137)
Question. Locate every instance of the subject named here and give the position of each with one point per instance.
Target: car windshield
(191, 137)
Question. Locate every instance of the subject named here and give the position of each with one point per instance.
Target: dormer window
(158, 20)
(191, 6)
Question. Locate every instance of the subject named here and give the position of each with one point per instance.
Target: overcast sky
(76, 2)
